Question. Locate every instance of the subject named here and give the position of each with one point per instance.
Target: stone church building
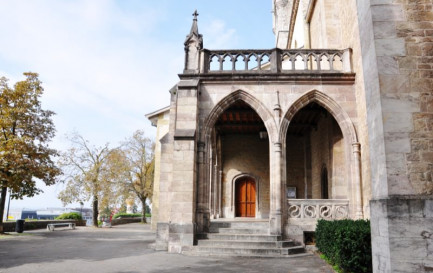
(334, 122)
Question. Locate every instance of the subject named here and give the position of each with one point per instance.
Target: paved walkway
(124, 249)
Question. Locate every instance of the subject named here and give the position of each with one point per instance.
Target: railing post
(318, 59)
(232, 57)
(276, 60)
(205, 62)
(302, 211)
(221, 61)
(333, 213)
(292, 59)
(347, 60)
(305, 60)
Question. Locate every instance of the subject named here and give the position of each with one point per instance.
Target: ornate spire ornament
(194, 31)
(193, 44)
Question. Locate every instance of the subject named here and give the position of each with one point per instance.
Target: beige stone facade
(339, 115)
(159, 119)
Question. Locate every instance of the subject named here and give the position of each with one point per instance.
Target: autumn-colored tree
(25, 131)
(135, 166)
(87, 174)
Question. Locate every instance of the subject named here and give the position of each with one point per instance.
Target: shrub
(126, 215)
(69, 215)
(346, 243)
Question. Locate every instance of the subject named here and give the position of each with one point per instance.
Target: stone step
(245, 244)
(263, 231)
(259, 224)
(239, 237)
(230, 255)
(249, 251)
(242, 238)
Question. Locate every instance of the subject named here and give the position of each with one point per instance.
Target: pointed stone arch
(349, 135)
(326, 102)
(253, 102)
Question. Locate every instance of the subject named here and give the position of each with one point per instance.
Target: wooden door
(246, 198)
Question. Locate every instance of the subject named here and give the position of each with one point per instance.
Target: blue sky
(105, 64)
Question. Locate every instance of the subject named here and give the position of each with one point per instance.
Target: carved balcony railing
(330, 209)
(277, 61)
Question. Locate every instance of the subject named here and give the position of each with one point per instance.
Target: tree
(87, 174)
(25, 131)
(135, 164)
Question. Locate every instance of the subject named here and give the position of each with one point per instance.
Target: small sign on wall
(291, 192)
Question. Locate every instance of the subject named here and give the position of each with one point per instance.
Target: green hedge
(126, 215)
(346, 243)
(69, 215)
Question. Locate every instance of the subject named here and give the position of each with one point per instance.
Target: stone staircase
(248, 238)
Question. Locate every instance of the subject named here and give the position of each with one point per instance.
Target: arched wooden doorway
(245, 197)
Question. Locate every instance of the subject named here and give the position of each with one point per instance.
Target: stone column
(219, 196)
(276, 210)
(214, 190)
(210, 170)
(356, 148)
(183, 190)
(202, 217)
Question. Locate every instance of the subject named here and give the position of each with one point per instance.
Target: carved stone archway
(274, 147)
(253, 102)
(326, 102)
(347, 129)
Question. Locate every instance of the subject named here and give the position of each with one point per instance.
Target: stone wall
(183, 188)
(40, 224)
(397, 50)
(320, 157)
(318, 26)
(404, 48)
(122, 221)
(327, 149)
(409, 79)
(166, 177)
(332, 27)
(245, 154)
(297, 165)
(351, 35)
(162, 130)
(340, 187)
(402, 234)
(324, 148)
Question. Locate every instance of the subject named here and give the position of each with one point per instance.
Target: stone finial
(195, 14)
(193, 45)
(194, 31)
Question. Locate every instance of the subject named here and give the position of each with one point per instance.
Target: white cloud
(90, 54)
(218, 36)
(100, 67)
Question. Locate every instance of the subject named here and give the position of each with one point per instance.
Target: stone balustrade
(329, 209)
(277, 61)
